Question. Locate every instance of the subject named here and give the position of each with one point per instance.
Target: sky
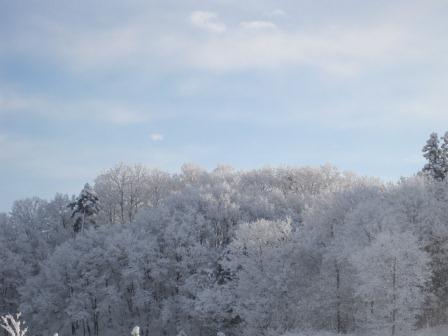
(87, 84)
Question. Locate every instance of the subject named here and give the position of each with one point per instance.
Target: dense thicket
(261, 252)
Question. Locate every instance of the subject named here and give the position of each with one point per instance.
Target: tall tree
(84, 207)
(436, 167)
(393, 271)
(444, 153)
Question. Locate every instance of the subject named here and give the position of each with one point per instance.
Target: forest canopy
(260, 252)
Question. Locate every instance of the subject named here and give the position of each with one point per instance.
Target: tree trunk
(394, 295)
(83, 220)
(338, 298)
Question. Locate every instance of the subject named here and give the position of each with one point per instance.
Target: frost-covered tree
(125, 189)
(95, 284)
(332, 233)
(13, 273)
(28, 236)
(393, 271)
(272, 277)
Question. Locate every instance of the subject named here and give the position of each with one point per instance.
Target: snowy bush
(13, 325)
(135, 331)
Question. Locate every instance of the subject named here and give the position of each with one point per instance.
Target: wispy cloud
(258, 25)
(156, 136)
(208, 21)
(103, 111)
(249, 45)
(276, 12)
(337, 52)
(345, 49)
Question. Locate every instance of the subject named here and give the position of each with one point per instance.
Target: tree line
(259, 252)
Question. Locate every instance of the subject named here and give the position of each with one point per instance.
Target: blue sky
(87, 84)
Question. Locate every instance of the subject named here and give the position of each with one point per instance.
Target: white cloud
(258, 25)
(252, 45)
(156, 137)
(277, 12)
(337, 52)
(353, 47)
(350, 49)
(208, 21)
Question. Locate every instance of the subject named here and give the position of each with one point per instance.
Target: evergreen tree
(444, 153)
(84, 208)
(436, 157)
